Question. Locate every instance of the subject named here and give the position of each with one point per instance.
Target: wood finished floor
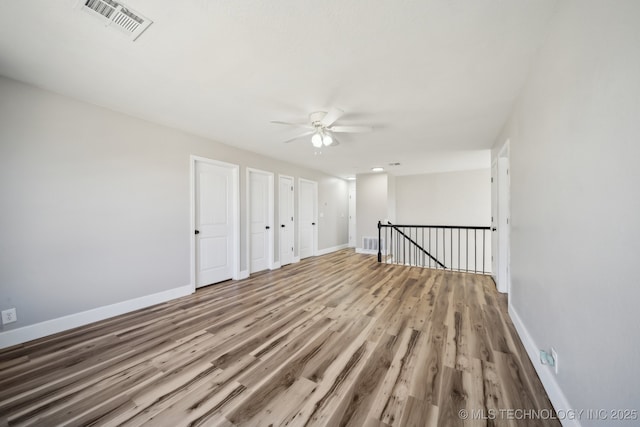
(333, 340)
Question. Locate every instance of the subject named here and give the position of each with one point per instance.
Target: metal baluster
(483, 247)
(444, 246)
(410, 245)
(475, 251)
(415, 250)
(451, 248)
(423, 246)
(397, 254)
(429, 246)
(458, 249)
(466, 264)
(404, 247)
(437, 245)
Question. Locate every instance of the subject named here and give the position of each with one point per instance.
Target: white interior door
(260, 198)
(214, 223)
(285, 214)
(503, 224)
(494, 221)
(352, 218)
(307, 217)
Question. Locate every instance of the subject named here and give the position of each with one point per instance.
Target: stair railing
(450, 247)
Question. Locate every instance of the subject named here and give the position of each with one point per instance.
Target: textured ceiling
(436, 78)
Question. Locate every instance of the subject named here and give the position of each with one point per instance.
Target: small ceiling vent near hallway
(116, 15)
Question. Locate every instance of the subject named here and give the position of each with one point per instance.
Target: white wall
(450, 198)
(371, 204)
(575, 206)
(95, 204)
(391, 199)
(333, 212)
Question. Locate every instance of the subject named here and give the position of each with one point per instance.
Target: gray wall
(95, 204)
(449, 198)
(575, 197)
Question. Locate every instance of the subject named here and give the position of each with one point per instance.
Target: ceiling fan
(321, 128)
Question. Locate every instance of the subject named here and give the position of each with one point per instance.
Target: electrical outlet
(554, 354)
(9, 316)
(546, 358)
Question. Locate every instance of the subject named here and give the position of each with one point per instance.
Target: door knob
(493, 229)
(282, 225)
(267, 227)
(313, 223)
(197, 231)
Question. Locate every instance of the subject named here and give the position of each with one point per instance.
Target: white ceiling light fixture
(317, 140)
(377, 169)
(321, 127)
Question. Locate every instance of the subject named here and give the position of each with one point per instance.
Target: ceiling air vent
(116, 15)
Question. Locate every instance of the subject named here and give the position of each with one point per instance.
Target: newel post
(379, 236)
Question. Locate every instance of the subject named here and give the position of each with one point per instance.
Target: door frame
(270, 216)
(352, 226)
(495, 259)
(293, 213)
(503, 205)
(235, 187)
(314, 249)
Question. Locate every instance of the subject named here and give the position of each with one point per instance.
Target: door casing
(501, 213)
(286, 218)
(235, 214)
(305, 185)
(269, 214)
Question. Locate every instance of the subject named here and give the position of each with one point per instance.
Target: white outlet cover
(9, 316)
(554, 354)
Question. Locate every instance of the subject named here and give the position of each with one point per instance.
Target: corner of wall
(551, 386)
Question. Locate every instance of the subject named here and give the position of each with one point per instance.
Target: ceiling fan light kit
(316, 140)
(321, 138)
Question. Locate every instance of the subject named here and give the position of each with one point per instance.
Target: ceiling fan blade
(335, 142)
(351, 129)
(298, 125)
(299, 136)
(333, 115)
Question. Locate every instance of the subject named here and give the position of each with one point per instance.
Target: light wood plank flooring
(333, 340)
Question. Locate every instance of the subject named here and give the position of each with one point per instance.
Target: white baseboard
(551, 386)
(53, 326)
(332, 249)
(243, 275)
(366, 251)
(275, 266)
(296, 259)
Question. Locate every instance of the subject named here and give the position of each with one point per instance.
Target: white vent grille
(118, 16)
(371, 244)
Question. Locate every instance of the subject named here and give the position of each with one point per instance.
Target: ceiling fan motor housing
(316, 118)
